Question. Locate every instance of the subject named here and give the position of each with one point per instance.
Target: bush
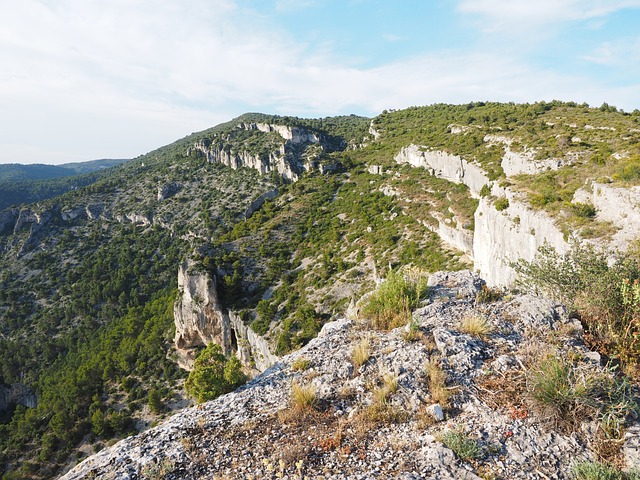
(602, 293)
(390, 305)
(213, 375)
(501, 203)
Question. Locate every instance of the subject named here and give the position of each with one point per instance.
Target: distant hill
(32, 183)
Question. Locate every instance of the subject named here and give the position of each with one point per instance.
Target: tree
(213, 374)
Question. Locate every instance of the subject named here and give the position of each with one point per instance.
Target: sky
(88, 79)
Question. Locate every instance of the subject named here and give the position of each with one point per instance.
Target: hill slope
(275, 225)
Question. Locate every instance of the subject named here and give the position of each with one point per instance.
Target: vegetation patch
(390, 305)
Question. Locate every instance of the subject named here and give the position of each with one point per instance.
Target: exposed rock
(167, 190)
(7, 219)
(17, 394)
(620, 206)
(69, 214)
(444, 165)
(198, 315)
(258, 202)
(503, 237)
(249, 434)
(200, 319)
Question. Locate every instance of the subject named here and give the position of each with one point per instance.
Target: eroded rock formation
(201, 319)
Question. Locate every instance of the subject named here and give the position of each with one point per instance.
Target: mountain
(253, 234)
(31, 183)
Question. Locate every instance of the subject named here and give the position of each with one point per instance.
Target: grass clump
(390, 305)
(303, 397)
(437, 382)
(465, 447)
(601, 471)
(361, 353)
(567, 397)
(476, 325)
(300, 364)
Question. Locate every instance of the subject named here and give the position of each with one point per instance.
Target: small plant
(300, 364)
(437, 380)
(361, 353)
(412, 333)
(303, 397)
(488, 295)
(476, 325)
(390, 305)
(501, 203)
(601, 471)
(563, 394)
(465, 447)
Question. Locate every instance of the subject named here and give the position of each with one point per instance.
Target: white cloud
(116, 79)
(518, 15)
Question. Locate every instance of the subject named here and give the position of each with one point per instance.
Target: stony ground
(389, 417)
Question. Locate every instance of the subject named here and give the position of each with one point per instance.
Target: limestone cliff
(298, 150)
(499, 237)
(201, 319)
(17, 394)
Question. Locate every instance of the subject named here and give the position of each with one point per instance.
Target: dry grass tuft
(476, 325)
(361, 353)
(437, 380)
(303, 397)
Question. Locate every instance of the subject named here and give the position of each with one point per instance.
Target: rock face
(258, 202)
(499, 237)
(255, 432)
(17, 394)
(621, 206)
(503, 237)
(200, 319)
(443, 165)
(296, 153)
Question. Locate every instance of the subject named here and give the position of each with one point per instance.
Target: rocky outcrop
(443, 165)
(17, 394)
(201, 319)
(275, 161)
(506, 236)
(198, 315)
(255, 433)
(294, 135)
(252, 349)
(620, 206)
(167, 190)
(258, 202)
(8, 220)
(499, 237)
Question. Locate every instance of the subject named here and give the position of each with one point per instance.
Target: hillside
(255, 233)
(31, 183)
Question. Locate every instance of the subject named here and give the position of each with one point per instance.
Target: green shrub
(602, 293)
(501, 203)
(390, 305)
(213, 374)
(583, 210)
(465, 447)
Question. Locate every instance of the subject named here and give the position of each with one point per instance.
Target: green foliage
(465, 447)
(213, 375)
(602, 293)
(601, 471)
(583, 210)
(485, 190)
(390, 305)
(501, 203)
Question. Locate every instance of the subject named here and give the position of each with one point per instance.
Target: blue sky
(86, 79)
